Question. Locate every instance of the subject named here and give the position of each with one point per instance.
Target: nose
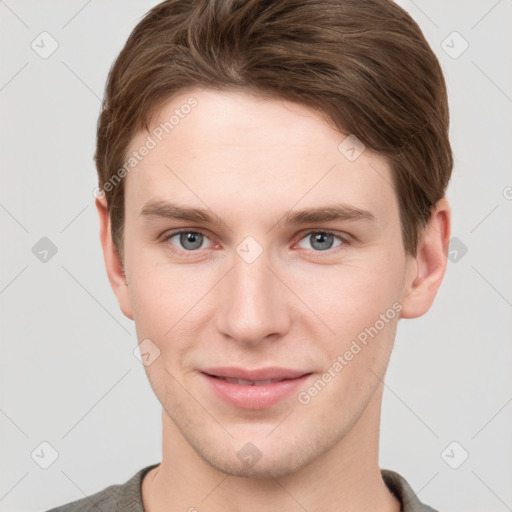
(254, 303)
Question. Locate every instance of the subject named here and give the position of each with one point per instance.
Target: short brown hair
(363, 64)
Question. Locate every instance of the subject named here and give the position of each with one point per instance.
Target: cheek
(353, 293)
(361, 306)
(168, 300)
(160, 299)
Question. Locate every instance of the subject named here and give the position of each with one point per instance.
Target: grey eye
(189, 240)
(321, 240)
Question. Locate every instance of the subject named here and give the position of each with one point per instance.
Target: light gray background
(68, 373)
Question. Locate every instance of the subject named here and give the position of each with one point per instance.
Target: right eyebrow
(169, 210)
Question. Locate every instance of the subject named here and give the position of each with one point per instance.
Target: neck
(348, 473)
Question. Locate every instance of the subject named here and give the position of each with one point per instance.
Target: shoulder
(399, 486)
(114, 498)
(105, 500)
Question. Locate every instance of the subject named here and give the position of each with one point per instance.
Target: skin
(251, 160)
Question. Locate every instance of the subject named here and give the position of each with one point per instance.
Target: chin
(265, 468)
(264, 458)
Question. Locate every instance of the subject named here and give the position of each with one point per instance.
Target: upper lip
(270, 373)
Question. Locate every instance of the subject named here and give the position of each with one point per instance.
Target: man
(272, 180)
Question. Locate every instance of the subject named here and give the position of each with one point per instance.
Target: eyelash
(343, 238)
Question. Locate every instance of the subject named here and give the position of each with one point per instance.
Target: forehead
(232, 148)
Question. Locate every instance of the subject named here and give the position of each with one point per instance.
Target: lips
(243, 382)
(257, 375)
(253, 389)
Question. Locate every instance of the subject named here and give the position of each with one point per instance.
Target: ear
(429, 264)
(113, 264)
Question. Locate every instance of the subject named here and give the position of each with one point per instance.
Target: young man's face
(256, 291)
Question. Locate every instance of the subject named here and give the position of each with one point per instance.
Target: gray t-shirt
(127, 497)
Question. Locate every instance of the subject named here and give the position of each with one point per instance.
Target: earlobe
(429, 265)
(113, 263)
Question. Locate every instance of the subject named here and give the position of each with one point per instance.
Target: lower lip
(254, 397)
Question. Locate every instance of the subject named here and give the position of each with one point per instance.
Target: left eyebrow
(326, 214)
